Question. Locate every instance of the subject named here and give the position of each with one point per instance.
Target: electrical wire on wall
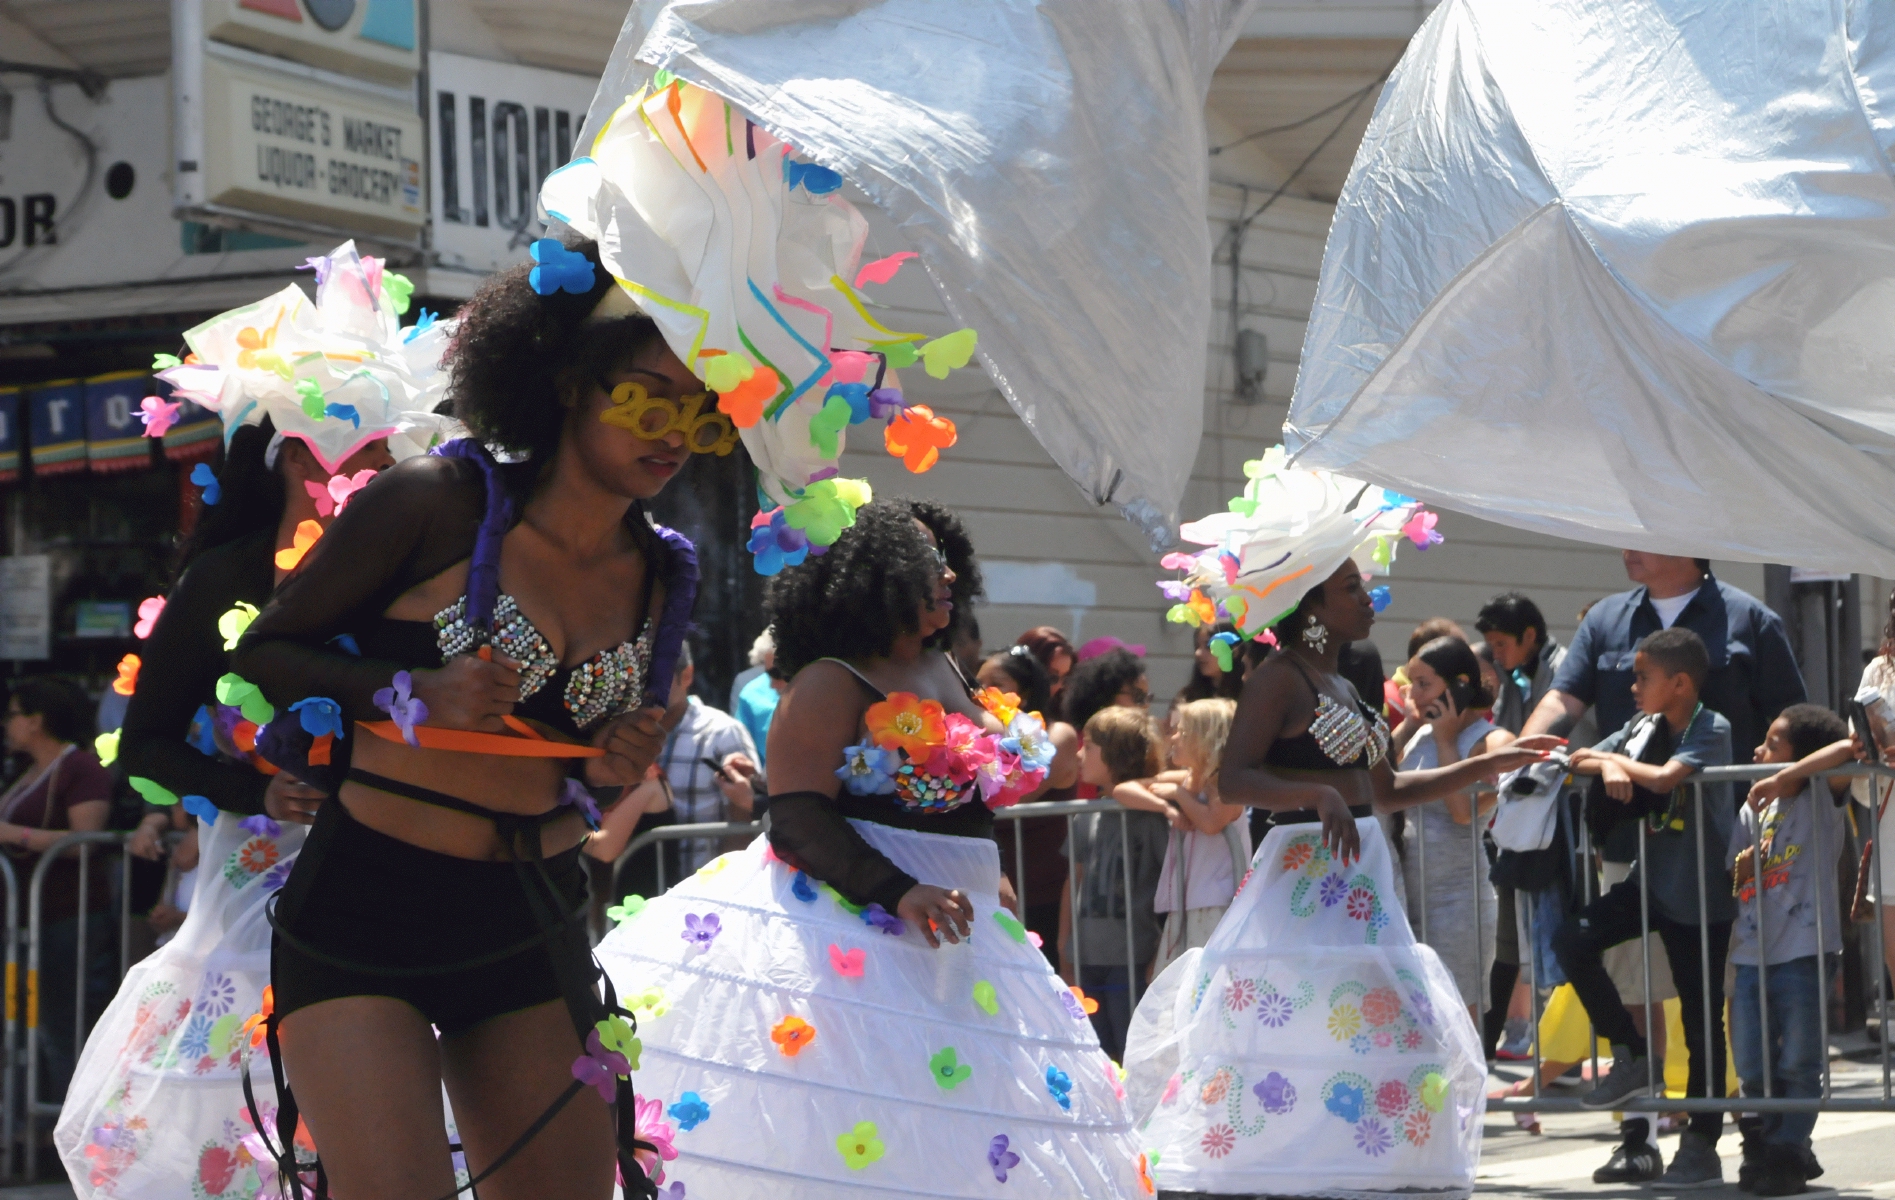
(93, 86)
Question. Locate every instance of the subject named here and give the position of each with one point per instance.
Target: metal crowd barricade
(34, 1108)
(1711, 858)
(1068, 809)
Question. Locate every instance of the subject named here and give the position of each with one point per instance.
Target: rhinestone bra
(605, 685)
(1344, 733)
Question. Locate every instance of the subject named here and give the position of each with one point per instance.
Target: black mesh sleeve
(808, 832)
(408, 525)
(181, 662)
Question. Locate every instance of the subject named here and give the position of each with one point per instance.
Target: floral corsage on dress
(933, 761)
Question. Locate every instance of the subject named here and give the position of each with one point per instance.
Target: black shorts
(367, 914)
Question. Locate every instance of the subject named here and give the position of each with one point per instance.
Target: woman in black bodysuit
(526, 607)
(1305, 746)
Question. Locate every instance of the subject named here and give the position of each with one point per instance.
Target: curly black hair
(517, 353)
(853, 600)
(1096, 683)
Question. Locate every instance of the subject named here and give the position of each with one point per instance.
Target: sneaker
(1630, 1076)
(1696, 1165)
(1520, 1051)
(1811, 1168)
(1751, 1129)
(1634, 1160)
(1782, 1172)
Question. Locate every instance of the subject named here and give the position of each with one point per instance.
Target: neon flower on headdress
(1287, 532)
(335, 374)
(750, 260)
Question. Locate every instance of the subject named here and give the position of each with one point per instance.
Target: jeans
(1108, 985)
(1796, 1045)
(1613, 918)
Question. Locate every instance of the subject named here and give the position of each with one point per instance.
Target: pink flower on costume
(1171, 1090)
(148, 610)
(158, 414)
(1219, 1140)
(334, 496)
(1242, 994)
(967, 747)
(650, 1126)
(1361, 903)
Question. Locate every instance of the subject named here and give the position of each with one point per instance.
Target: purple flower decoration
(674, 1192)
(1274, 1010)
(1332, 890)
(883, 920)
(886, 403)
(575, 793)
(1424, 1008)
(1000, 1158)
(403, 707)
(277, 876)
(1372, 1138)
(600, 1068)
(701, 930)
(1073, 1007)
(1276, 1094)
(1175, 591)
(320, 265)
(261, 825)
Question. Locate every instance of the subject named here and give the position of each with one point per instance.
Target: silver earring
(1316, 635)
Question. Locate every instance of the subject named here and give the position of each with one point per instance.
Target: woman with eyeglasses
(856, 981)
(61, 789)
(493, 641)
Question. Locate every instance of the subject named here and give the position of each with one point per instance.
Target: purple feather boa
(483, 569)
(483, 572)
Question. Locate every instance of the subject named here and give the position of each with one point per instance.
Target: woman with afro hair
(857, 981)
(488, 645)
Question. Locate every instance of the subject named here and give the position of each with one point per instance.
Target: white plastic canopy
(1624, 272)
(1047, 160)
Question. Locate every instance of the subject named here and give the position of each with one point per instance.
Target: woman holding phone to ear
(1450, 702)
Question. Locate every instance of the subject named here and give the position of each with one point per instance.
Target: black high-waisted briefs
(365, 914)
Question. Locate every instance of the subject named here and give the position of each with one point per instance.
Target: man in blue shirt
(1753, 673)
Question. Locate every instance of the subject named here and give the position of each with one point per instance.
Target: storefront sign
(115, 437)
(26, 606)
(307, 151)
(9, 434)
(499, 129)
(372, 39)
(56, 423)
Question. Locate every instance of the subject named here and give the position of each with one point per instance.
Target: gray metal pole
(1072, 887)
(1713, 1079)
(1645, 944)
(1131, 946)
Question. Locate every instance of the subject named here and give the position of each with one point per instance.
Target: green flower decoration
(1011, 924)
(153, 791)
(1151, 1159)
(826, 425)
(860, 1146)
(399, 288)
(854, 909)
(900, 354)
(649, 1004)
(947, 1069)
(234, 621)
(661, 80)
(617, 1036)
(164, 362)
(311, 392)
(1434, 1091)
(106, 744)
(240, 693)
(624, 911)
(827, 508)
(985, 997)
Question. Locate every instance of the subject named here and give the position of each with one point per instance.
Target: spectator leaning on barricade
(1644, 769)
(1797, 824)
(1751, 678)
(712, 765)
(1526, 657)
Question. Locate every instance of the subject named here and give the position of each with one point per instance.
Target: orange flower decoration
(1144, 1177)
(1086, 1003)
(127, 681)
(917, 437)
(744, 403)
(256, 1023)
(1003, 705)
(906, 722)
(792, 1034)
(257, 855)
(305, 536)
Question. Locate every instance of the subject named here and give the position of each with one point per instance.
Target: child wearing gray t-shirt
(1783, 853)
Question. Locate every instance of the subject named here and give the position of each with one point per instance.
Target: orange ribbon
(530, 744)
